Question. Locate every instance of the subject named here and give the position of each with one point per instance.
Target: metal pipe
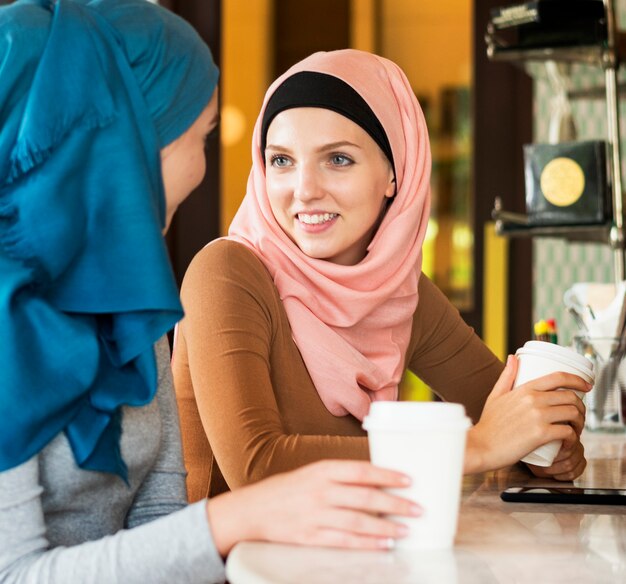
(610, 62)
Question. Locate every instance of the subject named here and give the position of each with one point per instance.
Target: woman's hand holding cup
(330, 503)
(515, 423)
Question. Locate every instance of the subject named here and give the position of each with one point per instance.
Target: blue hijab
(90, 91)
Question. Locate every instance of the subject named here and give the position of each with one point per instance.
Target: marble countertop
(497, 542)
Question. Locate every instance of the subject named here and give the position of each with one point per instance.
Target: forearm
(277, 452)
(175, 548)
(230, 406)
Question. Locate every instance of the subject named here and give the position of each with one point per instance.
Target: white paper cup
(536, 359)
(426, 441)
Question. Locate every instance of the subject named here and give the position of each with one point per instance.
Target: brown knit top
(247, 405)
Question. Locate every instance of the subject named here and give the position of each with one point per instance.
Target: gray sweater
(62, 524)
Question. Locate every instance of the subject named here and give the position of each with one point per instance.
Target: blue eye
(341, 160)
(279, 161)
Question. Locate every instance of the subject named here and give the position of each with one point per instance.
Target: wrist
(475, 452)
(226, 527)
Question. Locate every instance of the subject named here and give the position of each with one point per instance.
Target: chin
(314, 253)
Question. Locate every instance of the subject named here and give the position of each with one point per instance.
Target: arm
(176, 548)
(228, 333)
(448, 355)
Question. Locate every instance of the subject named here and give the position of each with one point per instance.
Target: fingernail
(405, 481)
(589, 385)
(415, 509)
(402, 531)
(387, 543)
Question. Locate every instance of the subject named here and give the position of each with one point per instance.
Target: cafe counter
(497, 542)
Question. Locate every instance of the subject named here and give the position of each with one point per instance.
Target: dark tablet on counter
(564, 495)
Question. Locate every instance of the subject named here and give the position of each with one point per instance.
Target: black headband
(312, 89)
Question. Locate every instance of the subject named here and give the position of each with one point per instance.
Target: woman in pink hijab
(315, 304)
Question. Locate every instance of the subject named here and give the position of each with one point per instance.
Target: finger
(579, 426)
(578, 445)
(573, 474)
(567, 413)
(538, 471)
(573, 444)
(566, 465)
(558, 380)
(564, 397)
(341, 539)
(361, 473)
(568, 450)
(552, 405)
(506, 379)
(571, 441)
(372, 500)
(562, 432)
(360, 523)
(569, 469)
(563, 454)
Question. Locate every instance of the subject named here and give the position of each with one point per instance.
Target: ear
(390, 191)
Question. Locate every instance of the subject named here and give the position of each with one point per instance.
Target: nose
(307, 187)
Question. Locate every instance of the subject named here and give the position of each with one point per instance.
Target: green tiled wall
(557, 263)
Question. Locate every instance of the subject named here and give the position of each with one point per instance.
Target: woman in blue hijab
(104, 109)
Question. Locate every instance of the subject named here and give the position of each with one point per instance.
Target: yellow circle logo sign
(562, 181)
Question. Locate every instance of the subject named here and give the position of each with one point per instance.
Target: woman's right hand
(330, 503)
(516, 422)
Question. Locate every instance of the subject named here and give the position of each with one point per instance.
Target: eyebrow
(324, 148)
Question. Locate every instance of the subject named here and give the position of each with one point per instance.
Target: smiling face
(327, 181)
(183, 163)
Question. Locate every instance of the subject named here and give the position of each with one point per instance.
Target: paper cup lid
(558, 354)
(406, 416)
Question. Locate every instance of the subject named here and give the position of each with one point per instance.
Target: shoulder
(227, 268)
(224, 256)
(430, 297)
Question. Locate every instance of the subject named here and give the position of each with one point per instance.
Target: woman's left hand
(517, 421)
(569, 463)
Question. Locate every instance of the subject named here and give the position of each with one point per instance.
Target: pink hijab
(352, 324)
